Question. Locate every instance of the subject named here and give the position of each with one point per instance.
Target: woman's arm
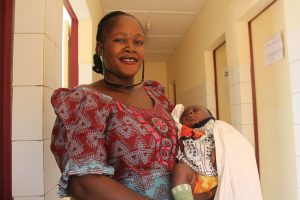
(97, 187)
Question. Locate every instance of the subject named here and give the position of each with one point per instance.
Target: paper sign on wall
(273, 50)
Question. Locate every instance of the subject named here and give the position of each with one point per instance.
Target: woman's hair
(105, 24)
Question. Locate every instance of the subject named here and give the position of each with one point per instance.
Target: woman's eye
(139, 42)
(120, 40)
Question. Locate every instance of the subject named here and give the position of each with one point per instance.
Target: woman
(115, 139)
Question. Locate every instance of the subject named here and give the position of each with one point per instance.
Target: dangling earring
(101, 58)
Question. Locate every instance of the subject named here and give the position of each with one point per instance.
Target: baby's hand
(206, 195)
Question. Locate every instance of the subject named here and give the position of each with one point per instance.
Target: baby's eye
(196, 109)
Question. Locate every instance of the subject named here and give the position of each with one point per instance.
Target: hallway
(262, 93)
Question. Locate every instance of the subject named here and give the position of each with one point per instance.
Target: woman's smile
(129, 60)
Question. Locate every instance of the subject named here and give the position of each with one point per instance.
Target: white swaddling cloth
(238, 177)
(236, 165)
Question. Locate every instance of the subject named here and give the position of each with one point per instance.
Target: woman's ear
(99, 49)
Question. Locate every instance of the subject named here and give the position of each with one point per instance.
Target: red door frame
(73, 42)
(6, 52)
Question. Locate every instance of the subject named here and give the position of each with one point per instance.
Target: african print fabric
(95, 134)
(197, 152)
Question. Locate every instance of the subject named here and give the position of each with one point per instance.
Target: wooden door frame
(6, 53)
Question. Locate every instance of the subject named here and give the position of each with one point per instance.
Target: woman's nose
(129, 47)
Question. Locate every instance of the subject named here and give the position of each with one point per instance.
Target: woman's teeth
(129, 59)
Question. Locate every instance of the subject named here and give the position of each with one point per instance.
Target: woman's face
(123, 49)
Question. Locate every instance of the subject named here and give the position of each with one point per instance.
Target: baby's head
(194, 114)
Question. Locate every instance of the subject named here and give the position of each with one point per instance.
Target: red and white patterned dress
(95, 134)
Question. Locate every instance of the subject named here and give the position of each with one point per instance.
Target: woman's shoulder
(79, 103)
(78, 95)
(158, 92)
(154, 85)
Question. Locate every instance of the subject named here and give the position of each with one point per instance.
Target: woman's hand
(210, 195)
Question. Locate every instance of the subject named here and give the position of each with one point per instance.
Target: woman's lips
(129, 60)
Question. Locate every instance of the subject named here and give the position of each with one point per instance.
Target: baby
(196, 153)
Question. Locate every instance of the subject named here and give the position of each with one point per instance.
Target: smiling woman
(115, 134)
(127, 47)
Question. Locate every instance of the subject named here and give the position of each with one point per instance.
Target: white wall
(96, 13)
(292, 18)
(157, 71)
(85, 53)
(36, 73)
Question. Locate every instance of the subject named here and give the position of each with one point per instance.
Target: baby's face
(193, 115)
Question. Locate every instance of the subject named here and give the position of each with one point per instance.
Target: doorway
(70, 48)
(222, 84)
(272, 104)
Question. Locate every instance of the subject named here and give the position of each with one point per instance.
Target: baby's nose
(189, 112)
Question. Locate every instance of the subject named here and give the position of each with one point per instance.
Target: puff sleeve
(78, 137)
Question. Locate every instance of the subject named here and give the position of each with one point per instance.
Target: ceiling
(168, 19)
